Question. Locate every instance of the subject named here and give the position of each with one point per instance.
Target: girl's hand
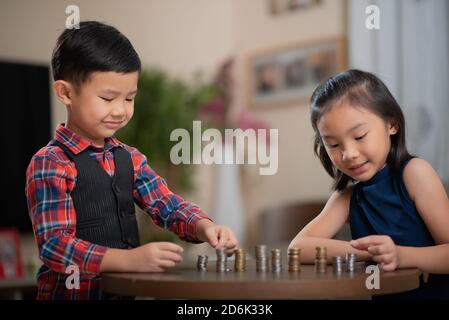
(382, 248)
(216, 235)
(155, 257)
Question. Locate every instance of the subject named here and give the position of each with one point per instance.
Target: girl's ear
(392, 128)
(64, 91)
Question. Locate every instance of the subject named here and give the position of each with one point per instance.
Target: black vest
(104, 205)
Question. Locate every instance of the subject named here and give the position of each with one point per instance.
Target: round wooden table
(188, 283)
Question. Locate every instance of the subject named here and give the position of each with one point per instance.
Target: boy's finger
(230, 247)
(222, 238)
(166, 264)
(170, 247)
(230, 251)
(231, 244)
(172, 256)
(211, 236)
(159, 269)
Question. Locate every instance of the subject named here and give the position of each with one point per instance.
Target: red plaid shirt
(51, 177)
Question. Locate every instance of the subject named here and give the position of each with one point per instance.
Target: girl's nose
(350, 153)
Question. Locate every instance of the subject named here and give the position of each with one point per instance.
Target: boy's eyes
(110, 99)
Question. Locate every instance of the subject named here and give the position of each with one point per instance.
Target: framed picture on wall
(278, 7)
(289, 74)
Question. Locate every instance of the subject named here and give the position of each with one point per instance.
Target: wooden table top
(188, 283)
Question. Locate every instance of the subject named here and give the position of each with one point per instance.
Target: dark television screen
(25, 128)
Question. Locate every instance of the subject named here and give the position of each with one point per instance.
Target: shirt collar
(77, 143)
(382, 174)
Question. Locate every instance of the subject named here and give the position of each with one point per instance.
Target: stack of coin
(201, 264)
(350, 262)
(222, 260)
(294, 260)
(240, 260)
(320, 260)
(337, 264)
(261, 258)
(276, 262)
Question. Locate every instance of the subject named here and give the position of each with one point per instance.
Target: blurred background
(232, 64)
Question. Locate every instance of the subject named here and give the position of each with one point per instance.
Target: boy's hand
(382, 248)
(155, 257)
(216, 235)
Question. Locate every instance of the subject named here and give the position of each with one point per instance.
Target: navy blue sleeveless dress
(383, 206)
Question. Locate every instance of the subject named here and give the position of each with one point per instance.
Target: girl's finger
(388, 267)
(378, 250)
(383, 258)
(369, 241)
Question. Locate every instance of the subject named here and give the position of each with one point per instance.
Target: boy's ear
(64, 91)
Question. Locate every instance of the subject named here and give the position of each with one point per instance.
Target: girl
(396, 204)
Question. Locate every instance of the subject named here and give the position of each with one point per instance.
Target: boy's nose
(118, 110)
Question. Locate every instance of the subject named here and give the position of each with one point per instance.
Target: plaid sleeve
(48, 186)
(165, 208)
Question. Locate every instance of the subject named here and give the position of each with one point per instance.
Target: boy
(81, 187)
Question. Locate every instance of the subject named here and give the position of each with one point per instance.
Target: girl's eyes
(361, 137)
(332, 146)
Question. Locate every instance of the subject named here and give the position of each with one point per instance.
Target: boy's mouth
(112, 124)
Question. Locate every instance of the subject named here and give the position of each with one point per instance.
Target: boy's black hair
(93, 47)
(359, 89)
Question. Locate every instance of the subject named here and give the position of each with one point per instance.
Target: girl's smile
(356, 140)
(359, 168)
